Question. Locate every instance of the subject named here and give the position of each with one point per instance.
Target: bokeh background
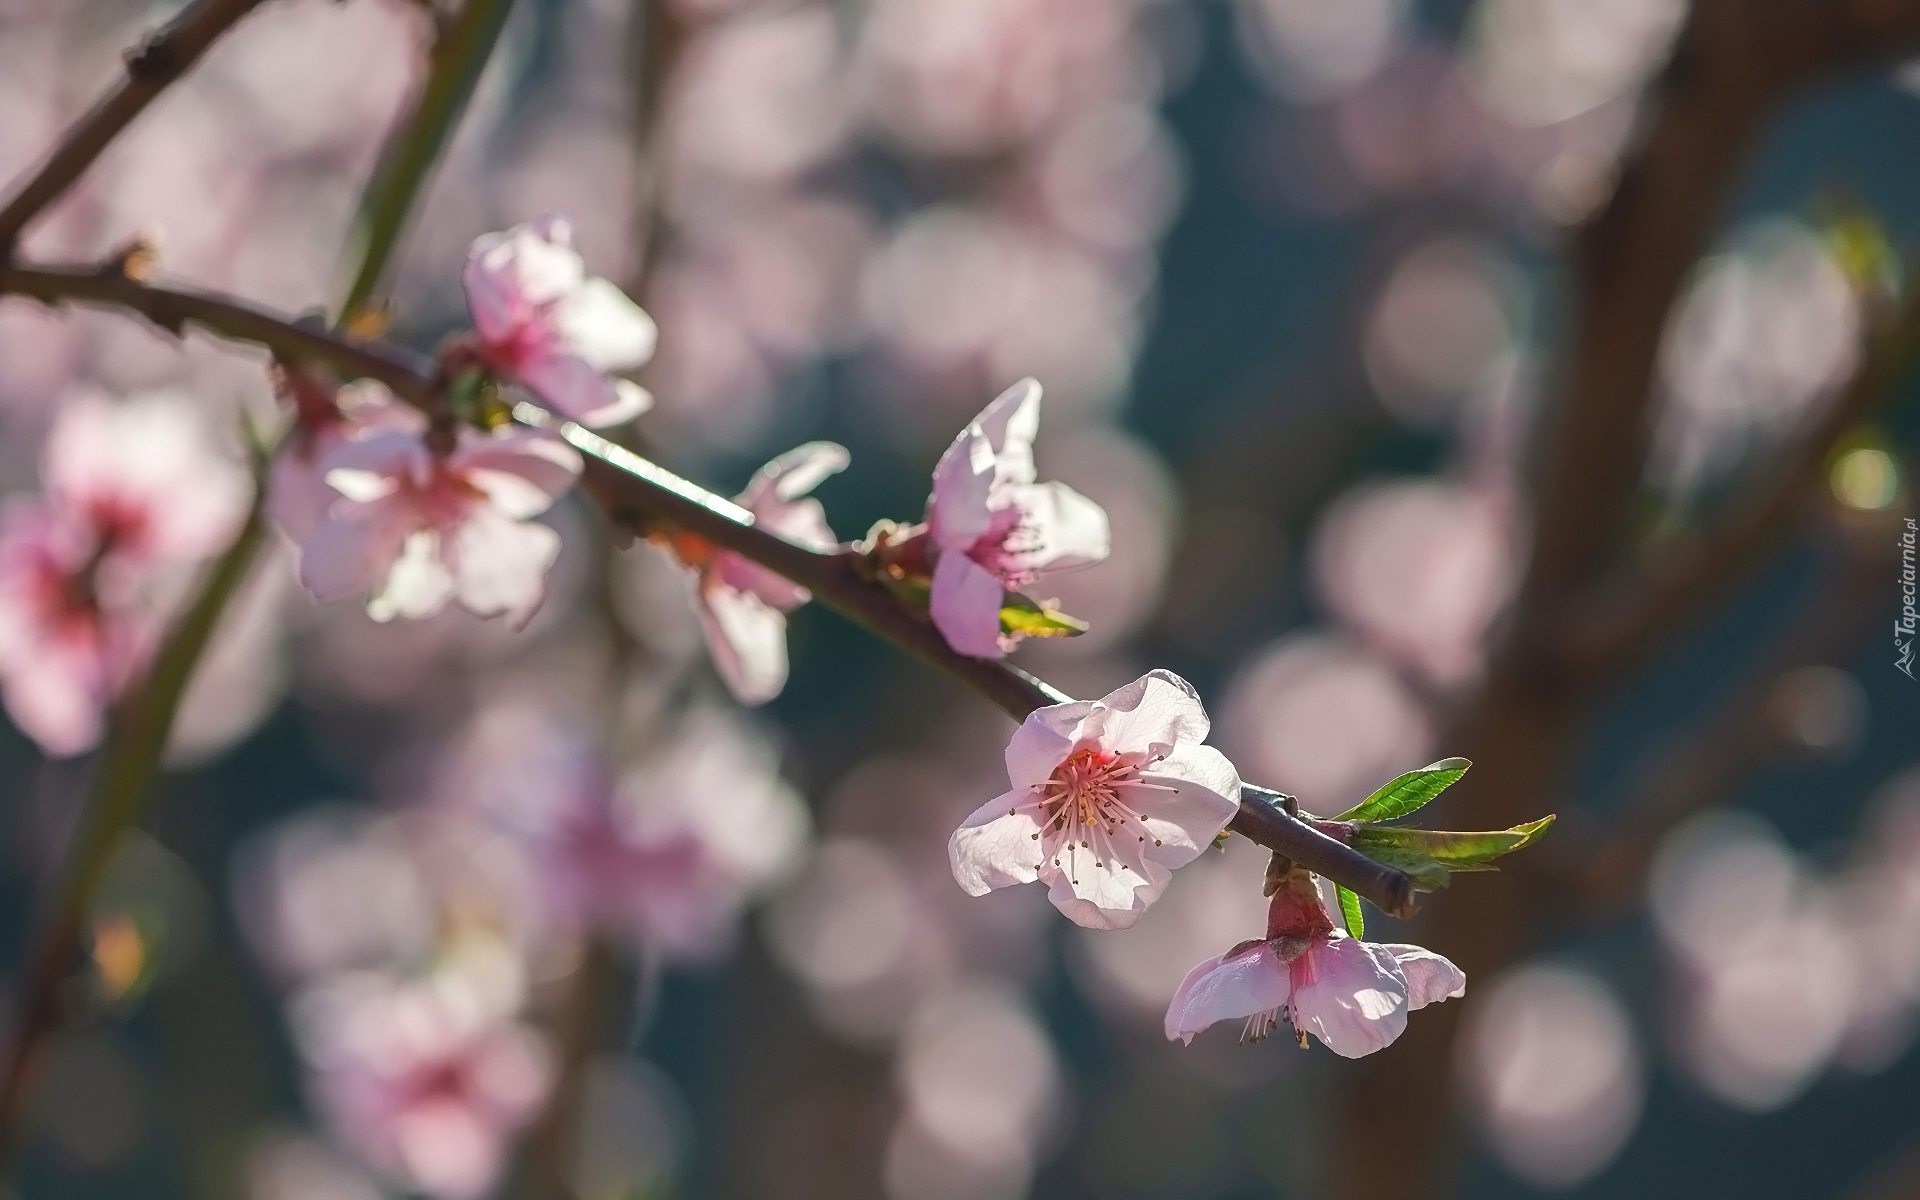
(1292, 274)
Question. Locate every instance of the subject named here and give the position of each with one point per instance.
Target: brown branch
(163, 58)
(632, 489)
(1663, 596)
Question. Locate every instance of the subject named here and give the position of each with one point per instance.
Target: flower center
(1084, 790)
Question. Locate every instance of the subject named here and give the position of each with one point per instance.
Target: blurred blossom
(298, 1167)
(1310, 51)
(1880, 895)
(852, 929)
(666, 853)
(1111, 177)
(333, 889)
(1550, 1059)
(981, 1088)
(1765, 332)
(1321, 719)
(758, 97)
(1537, 62)
(995, 528)
(974, 78)
(1768, 977)
(1822, 710)
(427, 1078)
(1109, 797)
(326, 416)
(1444, 325)
(1420, 569)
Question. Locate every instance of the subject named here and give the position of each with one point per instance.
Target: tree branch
(151, 68)
(633, 489)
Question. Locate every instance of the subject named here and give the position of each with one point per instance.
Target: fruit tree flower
(416, 529)
(996, 528)
(742, 604)
(1353, 995)
(326, 417)
(543, 322)
(1108, 797)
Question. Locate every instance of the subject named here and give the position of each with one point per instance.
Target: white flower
(1108, 797)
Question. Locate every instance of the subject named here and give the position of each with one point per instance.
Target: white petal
(1101, 885)
(1228, 989)
(996, 847)
(1356, 999)
(1151, 715)
(1069, 529)
(965, 605)
(521, 471)
(1182, 822)
(419, 583)
(606, 328)
(574, 389)
(1011, 423)
(748, 640)
(957, 512)
(1431, 977)
(500, 565)
(1043, 742)
(355, 548)
(794, 474)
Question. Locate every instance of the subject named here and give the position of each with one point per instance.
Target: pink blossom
(996, 528)
(63, 657)
(326, 416)
(424, 1081)
(416, 529)
(665, 854)
(1108, 797)
(543, 322)
(742, 604)
(1352, 995)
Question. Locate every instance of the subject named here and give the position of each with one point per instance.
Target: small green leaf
(1429, 856)
(1042, 619)
(1350, 912)
(1407, 793)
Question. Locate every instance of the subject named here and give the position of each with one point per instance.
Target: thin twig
(151, 68)
(631, 487)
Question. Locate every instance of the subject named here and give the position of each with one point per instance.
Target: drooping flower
(667, 853)
(742, 604)
(416, 529)
(1109, 796)
(996, 528)
(1351, 994)
(64, 656)
(543, 322)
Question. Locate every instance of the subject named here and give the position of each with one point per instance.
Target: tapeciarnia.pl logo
(1904, 624)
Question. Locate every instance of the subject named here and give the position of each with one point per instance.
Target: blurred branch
(1709, 764)
(163, 58)
(634, 490)
(578, 1029)
(460, 54)
(1690, 576)
(138, 737)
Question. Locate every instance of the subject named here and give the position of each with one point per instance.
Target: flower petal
(748, 640)
(1151, 715)
(1100, 884)
(1431, 977)
(1069, 530)
(355, 547)
(500, 565)
(576, 390)
(1043, 742)
(1350, 995)
(603, 325)
(995, 847)
(957, 512)
(965, 605)
(1228, 988)
(1183, 821)
(419, 583)
(522, 471)
(794, 474)
(1011, 423)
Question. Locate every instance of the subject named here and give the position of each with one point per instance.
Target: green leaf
(1430, 856)
(1041, 619)
(1407, 793)
(460, 54)
(1350, 911)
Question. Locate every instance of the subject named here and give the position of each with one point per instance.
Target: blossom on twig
(996, 528)
(1108, 797)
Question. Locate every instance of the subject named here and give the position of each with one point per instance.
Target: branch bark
(154, 66)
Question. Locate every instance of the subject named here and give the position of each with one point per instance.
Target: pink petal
(510, 274)
(1350, 995)
(58, 700)
(793, 475)
(602, 325)
(354, 549)
(521, 471)
(1069, 530)
(368, 467)
(995, 847)
(748, 641)
(1151, 715)
(965, 605)
(1182, 822)
(745, 575)
(1043, 742)
(1011, 423)
(567, 384)
(957, 512)
(1106, 883)
(1431, 978)
(1228, 988)
(500, 565)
